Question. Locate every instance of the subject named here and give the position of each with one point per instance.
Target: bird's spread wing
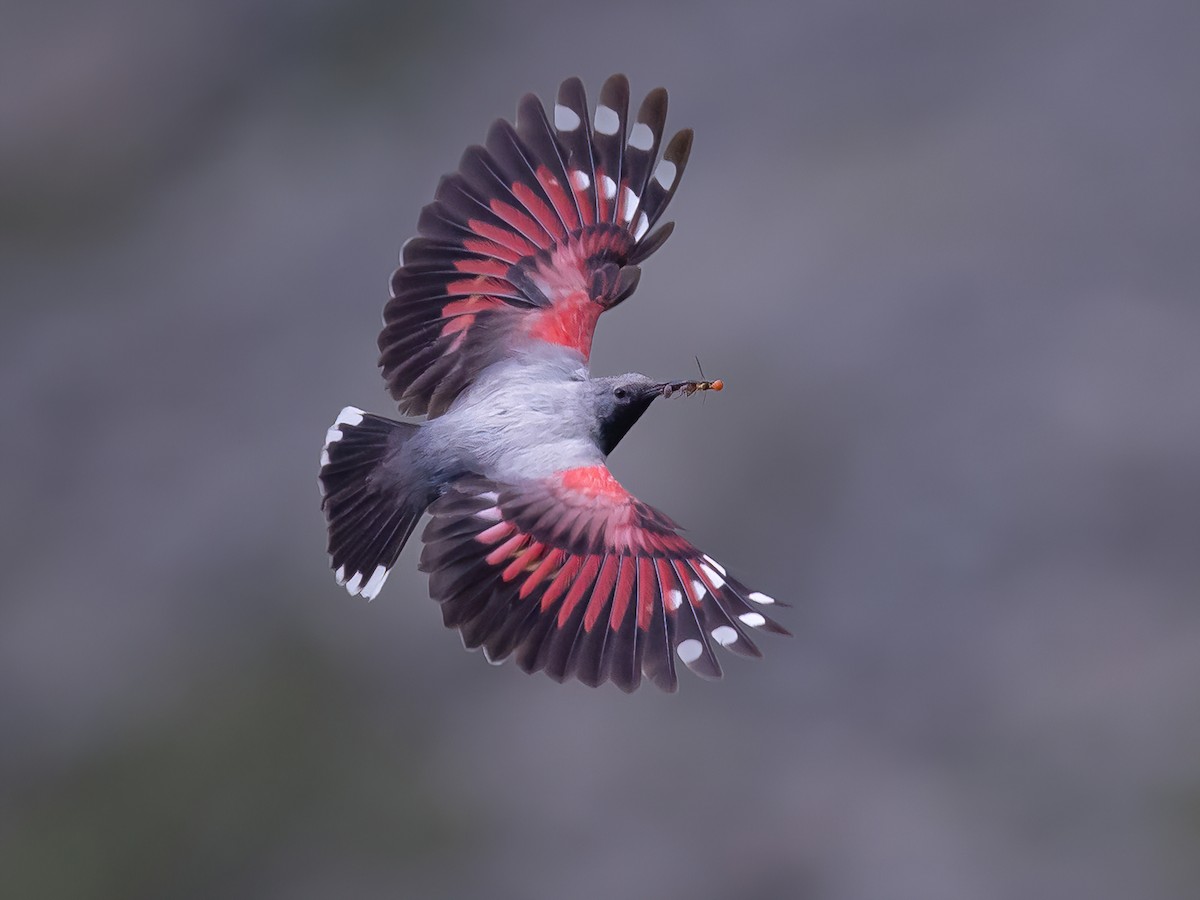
(539, 231)
(575, 576)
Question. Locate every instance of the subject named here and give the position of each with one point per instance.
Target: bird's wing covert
(538, 232)
(574, 576)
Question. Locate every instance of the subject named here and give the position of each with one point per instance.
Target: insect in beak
(687, 388)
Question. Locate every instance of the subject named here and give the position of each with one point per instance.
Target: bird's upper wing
(575, 576)
(538, 232)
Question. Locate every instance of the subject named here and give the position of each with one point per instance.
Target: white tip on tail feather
(375, 582)
(351, 416)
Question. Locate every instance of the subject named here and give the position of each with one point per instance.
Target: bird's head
(621, 399)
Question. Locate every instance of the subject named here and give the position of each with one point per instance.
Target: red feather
(542, 255)
(603, 559)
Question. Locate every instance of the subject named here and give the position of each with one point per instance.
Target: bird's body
(523, 418)
(534, 550)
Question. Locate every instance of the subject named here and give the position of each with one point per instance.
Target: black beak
(687, 388)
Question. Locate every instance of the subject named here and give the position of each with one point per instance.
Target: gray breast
(522, 420)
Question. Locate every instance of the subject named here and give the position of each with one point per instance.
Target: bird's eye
(620, 393)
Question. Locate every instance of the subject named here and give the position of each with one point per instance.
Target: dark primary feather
(473, 283)
(541, 229)
(595, 586)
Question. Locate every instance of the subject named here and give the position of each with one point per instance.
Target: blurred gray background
(945, 256)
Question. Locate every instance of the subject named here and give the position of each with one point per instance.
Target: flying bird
(533, 548)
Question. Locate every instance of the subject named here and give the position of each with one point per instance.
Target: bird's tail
(370, 505)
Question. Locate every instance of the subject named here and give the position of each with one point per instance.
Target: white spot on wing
(609, 186)
(642, 228)
(580, 179)
(489, 496)
(375, 582)
(759, 597)
(711, 574)
(664, 174)
(565, 118)
(630, 200)
(674, 598)
(641, 137)
(689, 651)
(725, 635)
(699, 587)
(351, 415)
(607, 120)
(491, 514)
(716, 565)
(753, 619)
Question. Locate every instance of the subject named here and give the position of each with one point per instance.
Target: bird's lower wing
(536, 234)
(574, 576)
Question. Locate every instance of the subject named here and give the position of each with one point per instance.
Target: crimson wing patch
(538, 232)
(574, 576)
